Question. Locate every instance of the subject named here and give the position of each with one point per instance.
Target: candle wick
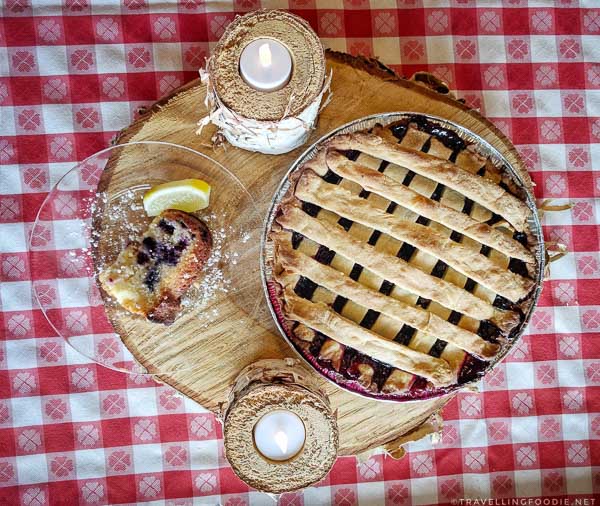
(281, 440)
(264, 55)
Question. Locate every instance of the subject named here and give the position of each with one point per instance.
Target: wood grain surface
(361, 87)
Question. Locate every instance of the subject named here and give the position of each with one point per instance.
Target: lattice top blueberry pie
(402, 261)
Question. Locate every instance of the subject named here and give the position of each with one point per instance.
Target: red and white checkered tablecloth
(73, 73)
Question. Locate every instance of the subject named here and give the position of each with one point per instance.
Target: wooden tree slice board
(361, 87)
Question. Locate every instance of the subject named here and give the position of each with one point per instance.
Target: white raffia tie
(269, 137)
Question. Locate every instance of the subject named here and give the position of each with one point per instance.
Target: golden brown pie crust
(400, 261)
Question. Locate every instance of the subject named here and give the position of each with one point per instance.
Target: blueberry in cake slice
(149, 277)
(403, 263)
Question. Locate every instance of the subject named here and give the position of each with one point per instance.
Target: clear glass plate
(90, 216)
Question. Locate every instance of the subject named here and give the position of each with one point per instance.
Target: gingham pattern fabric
(73, 73)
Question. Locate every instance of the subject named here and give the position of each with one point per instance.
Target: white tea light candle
(279, 435)
(266, 64)
(265, 82)
(279, 431)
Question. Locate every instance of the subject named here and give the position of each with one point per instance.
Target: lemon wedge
(189, 195)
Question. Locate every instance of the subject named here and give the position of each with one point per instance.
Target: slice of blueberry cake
(150, 277)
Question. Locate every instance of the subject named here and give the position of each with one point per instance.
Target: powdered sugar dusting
(214, 280)
(96, 226)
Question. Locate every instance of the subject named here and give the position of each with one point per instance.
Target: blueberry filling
(152, 277)
(150, 244)
(447, 137)
(160, 252)
(296, 239)
(521, 237)
(399, 131)
(166, 254)
(181, 245)
(488, 331)
(166, 227)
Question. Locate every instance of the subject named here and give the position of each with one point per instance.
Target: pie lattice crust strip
(403, 260)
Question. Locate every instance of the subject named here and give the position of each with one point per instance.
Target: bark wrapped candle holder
(270, 122)
(261, 388)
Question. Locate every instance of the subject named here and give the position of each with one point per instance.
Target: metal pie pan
(482, 147)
